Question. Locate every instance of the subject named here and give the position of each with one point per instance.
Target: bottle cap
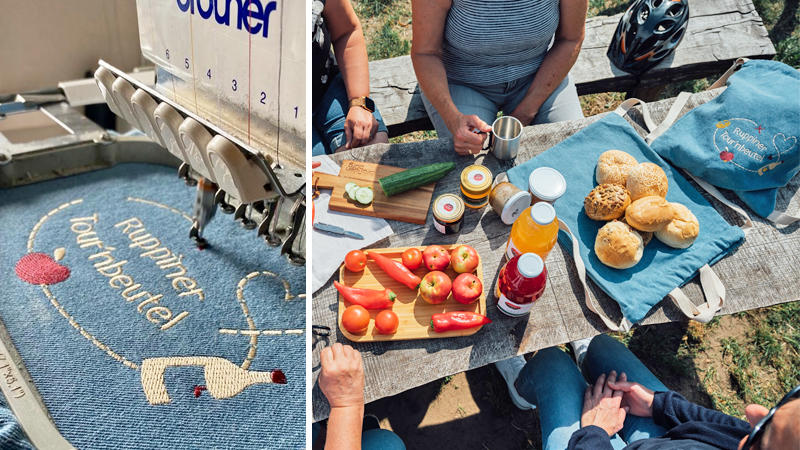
(547, 184)
(514, 207)
(543, 213)
(530, 265)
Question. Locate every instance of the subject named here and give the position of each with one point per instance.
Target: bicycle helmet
(647, 33)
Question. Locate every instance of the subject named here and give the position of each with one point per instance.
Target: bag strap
(672, 116)
(715, 297)
(724, 78)
(625, 106)
(623, 326)
(711, 189)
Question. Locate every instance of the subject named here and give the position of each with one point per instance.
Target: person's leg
(563, 104)
(552, 382)
(468, 101)
(382, 135)
(606, 354)
(380, 439)
(317, 146)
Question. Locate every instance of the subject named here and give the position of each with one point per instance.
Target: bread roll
(649, 214)
(617, 245)
(646, 235)
(613, 167)
(682, 231)
(647, 179)
(606, 202)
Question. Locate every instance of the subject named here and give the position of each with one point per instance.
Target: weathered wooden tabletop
(762, 272)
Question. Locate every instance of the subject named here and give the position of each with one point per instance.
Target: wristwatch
(363, 102)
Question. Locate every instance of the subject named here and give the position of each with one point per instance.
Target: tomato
(412, 258)
(355, 319)
(386, 322)
(355, 261)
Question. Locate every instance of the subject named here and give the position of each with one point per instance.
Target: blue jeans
(376, 439)
(553, 382)
(327, 133)
(486, 101)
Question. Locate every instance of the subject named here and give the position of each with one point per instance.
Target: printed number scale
(412, 310)
(411, 206)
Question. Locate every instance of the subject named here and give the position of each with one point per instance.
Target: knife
(336, 230)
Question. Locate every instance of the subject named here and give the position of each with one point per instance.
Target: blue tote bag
(744, 140)
(662, 269)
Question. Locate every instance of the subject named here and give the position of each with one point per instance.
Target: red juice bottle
(520, 283)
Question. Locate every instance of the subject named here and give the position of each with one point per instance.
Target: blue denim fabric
(486, 101)
(95, 399)
(11, 436)
(552, 382)
(377, 439)
(754, 123)
(328, 120)
(661, 268)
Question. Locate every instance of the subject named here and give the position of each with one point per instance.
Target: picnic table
(719, 32)
(761, 272)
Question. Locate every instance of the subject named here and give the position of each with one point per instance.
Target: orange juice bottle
(535, 231)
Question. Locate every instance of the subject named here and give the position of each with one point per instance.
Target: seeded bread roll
(647, 179)
(618, 245)
(613, 167)
(649, 214)
(606, 202)
(682, 231)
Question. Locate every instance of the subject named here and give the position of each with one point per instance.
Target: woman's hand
(359, 127)
(465, 140)
(601, 406)
(341, 378)
(636, 397)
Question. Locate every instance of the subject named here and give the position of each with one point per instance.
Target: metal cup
(505, 138)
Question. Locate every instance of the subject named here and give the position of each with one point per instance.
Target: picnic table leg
(646, 94)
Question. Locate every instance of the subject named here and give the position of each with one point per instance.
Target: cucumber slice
(349, 186)
(364, 195)
(351, 191)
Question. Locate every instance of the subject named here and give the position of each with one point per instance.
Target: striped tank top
(489, 42)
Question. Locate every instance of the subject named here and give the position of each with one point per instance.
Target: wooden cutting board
(414, 312)
(411, 206)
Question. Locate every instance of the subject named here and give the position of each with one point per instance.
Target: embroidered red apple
(41, 268)
(725, 155)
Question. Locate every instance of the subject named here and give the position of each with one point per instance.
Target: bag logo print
(737, 142)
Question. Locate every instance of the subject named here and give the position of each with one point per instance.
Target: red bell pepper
(368, 298)
(396, 270)
(457, 320)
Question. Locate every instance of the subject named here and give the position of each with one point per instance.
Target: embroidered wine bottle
(521, 282)
(224, 379)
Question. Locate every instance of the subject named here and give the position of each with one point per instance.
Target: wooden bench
(719, 32)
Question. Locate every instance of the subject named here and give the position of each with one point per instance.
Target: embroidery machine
(225, 104)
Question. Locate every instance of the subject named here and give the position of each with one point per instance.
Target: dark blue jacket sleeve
(590, 438)
(685, 420)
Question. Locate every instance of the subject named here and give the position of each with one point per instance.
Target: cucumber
(351, 189)
(414, 178)
(364, 195)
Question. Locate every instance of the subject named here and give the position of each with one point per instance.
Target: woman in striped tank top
(474, 58)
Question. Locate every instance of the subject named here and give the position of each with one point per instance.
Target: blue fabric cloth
(11, 435)
(746, 139)
(661, 268)
(97, 357)
(328, 119)
(552, 382)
